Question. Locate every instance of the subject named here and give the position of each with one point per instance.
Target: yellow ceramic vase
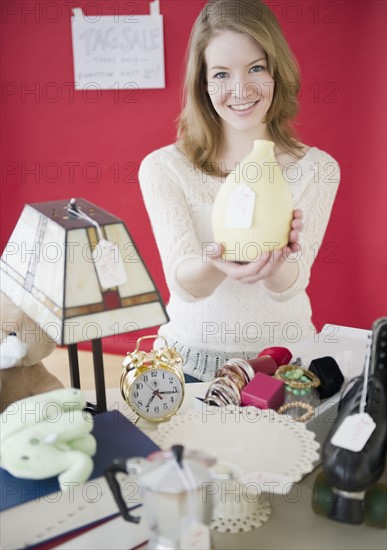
(253, 209)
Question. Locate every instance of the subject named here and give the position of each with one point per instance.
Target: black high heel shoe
(342, 492)
(379, 351)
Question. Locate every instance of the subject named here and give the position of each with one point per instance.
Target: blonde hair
(199, 126)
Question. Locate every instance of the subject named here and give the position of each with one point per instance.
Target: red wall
(90, 144)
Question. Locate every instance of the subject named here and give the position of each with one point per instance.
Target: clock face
(156, 394)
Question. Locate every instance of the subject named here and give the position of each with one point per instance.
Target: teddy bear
(23, 346)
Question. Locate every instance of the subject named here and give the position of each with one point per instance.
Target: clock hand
(162, 392)
(157, 393)
(150, 400)
(149, 386)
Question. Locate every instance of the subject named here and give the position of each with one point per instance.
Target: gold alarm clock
(152, 383)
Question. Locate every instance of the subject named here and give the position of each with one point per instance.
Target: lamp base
(99, 375)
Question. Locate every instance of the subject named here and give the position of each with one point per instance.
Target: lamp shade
(77, 273)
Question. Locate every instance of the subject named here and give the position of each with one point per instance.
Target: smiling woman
(241, 94)
(243, 36)
(241, 86)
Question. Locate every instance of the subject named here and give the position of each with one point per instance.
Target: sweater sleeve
(170, 217)
(314, 193)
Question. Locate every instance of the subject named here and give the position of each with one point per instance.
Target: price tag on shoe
(354, 432)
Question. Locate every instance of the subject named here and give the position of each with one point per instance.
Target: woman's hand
(296, 228)
(266, 265)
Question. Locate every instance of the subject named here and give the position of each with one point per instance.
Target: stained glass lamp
(74, 269)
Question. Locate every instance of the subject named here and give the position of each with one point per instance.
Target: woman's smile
(243, 107)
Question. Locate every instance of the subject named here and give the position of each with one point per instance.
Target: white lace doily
(241, 515)
(268, 450)
(266, 446)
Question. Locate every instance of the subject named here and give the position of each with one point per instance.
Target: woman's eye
(221, 75)
(257, 69)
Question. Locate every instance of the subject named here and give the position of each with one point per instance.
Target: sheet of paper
(118, 52)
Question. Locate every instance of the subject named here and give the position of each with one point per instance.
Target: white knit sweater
(237, 319)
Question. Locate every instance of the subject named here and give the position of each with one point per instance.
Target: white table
(292, 525)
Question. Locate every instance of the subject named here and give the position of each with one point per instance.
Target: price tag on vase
(240, 207)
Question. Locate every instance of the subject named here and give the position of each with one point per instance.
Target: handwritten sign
(118, 52)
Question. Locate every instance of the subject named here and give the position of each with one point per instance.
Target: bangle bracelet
(306, 406)
(225, 390)
(246, 368)
(238, 366)
(230, 379)
(238, 379)
(213, 401)
(297, 377)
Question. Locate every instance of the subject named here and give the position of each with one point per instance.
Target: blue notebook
(116, 437)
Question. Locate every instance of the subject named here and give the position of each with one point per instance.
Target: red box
(265, 364)
(282, 356)
(264, 392)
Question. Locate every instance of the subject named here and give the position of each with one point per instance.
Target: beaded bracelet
(304, 417)
(297, 377)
